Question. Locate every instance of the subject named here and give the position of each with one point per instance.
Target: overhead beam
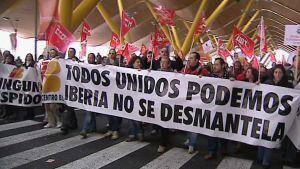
(176, 37)
(108, 19)
(246, 27)
(189, 39)
(81, 12)
(65, 13)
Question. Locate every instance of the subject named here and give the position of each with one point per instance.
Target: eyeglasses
(112, 53)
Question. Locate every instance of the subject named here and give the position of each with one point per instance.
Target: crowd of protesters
(64, 117)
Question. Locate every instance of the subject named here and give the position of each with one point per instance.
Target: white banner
(20, 86)
(240, 111)
(292, 35)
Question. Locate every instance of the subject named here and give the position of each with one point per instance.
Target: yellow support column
(189, 39)
(188, 27)
(65, 13)
(81, 12)
(241, 20)
(164, 28)
(177, 40)
(216, 13)
(246, 27)
(111, 24)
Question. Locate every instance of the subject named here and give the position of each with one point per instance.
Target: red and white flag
(201, 28)
(143, 49)
(255, 63)
(222, 50)
(243, 42)
(85, 31)
(261, 35)
(124, 50)
(132, 48)
(165, 16)
(272, 58)
(114, 41)
(126, 23)
(60, 37)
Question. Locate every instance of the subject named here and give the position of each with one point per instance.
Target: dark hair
(284, 79)
(294, 58)
(73, 50)
(254, 73)
(132, 60)
(93, 56)
(221, 61)
(30, 55)
(197, 55)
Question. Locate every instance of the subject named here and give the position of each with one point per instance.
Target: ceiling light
(5, 18)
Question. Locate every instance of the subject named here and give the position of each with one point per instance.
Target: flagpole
(260, 45)
(189, 53)
(171, 37)
(296, 71)
(35, 28)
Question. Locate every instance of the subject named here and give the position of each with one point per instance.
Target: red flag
(114, 41)
(126, 23)
(132, 48)
(255, 63)
(204, 56)
(60, 37)
(273, 58)
(160, 38)
(243, 42)
(143, 49)
(201, 28)
(222, 50)
(48, 13)
(165, 16)
(85, 31)
(123, 50)
(261, 36)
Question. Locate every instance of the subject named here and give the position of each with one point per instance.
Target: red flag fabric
(201, 28)
(272, 58)
(126, 23)
(48, 13)
(60, 37)
(114, 41)
(222, 50)
(204, 56)
(243, 42)
(160, 38)
(143, 49)
(255, 63)
(124, 50)
(153, 45)
(132, 48)
(165, 16)
(85, 31)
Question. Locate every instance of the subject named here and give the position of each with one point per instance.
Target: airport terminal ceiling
(276, 13)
